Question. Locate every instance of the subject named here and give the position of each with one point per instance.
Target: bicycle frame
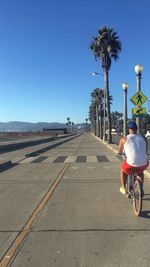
(130, 181)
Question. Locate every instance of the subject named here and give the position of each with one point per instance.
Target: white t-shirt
(135, 150)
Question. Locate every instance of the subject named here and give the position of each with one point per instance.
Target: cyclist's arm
(121, 145)
(146, 143)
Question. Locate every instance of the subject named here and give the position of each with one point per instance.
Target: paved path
(66, 211)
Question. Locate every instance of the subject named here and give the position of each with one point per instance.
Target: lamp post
(125, 88)
(138, 70)
(104, 107)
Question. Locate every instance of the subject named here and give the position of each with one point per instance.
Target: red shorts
(128, 169)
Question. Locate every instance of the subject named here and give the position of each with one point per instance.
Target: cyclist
(135, 148)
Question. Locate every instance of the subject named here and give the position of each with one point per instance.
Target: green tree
(145, 123)
(106, 46)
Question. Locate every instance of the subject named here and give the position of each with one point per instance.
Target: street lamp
(125, 88)
(138, 70)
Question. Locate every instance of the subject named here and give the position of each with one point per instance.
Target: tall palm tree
(106, 46)
(97, 98)
(92, 117)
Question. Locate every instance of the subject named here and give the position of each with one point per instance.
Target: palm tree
(115, 119)
(106, 46)
(97, 98)
(120, 122)
(68, 119)
(68, 123)
(146, 122)
(92, 117)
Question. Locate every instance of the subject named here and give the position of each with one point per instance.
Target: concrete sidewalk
(114, 148)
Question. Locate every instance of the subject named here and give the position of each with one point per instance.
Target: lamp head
(138, 69)
(125, 86)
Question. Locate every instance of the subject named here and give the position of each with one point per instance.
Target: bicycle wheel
(137, 197)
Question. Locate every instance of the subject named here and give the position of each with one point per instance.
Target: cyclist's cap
(132, 125)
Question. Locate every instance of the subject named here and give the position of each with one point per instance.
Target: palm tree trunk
(104, 117)
(101, 127)
(106, 79)
(101, 116)
(95, 127)
(98, 122)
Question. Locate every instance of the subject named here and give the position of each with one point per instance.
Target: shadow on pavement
(145, 214)
(146, 198)
(7, 165)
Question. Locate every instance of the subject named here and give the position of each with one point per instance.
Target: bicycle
(134, 190)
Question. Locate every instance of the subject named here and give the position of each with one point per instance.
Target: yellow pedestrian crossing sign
(138, 99)
(138, 112)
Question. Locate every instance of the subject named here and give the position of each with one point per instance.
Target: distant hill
(19, 126)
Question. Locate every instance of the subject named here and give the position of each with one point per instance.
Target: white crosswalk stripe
(91, 159)
(71, 159)
(28, 160)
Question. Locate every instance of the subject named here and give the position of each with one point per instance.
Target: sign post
(148, 105)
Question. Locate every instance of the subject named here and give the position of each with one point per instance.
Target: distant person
(135, 148)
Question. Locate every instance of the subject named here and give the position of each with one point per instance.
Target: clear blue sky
(46, 63)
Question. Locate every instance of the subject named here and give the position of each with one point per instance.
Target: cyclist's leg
(123, 178)
(141, 175)
(123, 174)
